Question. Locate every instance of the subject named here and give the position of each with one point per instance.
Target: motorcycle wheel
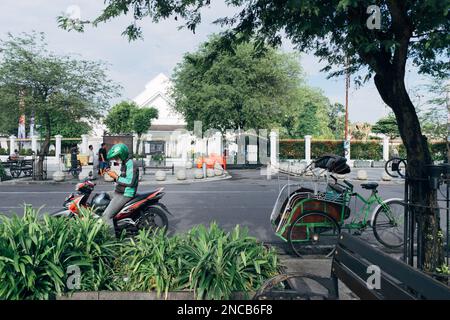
(153, 218)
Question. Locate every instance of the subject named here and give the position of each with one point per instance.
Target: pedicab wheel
(314, 234)
(153, 218)
(388, 224)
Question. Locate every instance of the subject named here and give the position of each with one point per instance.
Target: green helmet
(118, 151)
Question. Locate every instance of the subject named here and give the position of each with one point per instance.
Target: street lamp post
(346, 139)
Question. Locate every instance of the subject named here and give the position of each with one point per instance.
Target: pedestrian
(14, 156)
(91, 155)
(74, 158)
(102, 164)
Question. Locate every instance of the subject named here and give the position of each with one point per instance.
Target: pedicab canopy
(333, 163)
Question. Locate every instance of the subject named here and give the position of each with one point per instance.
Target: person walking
(102, 164)
(91, 155)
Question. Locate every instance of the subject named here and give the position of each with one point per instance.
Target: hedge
(363, 150)
(438, 151)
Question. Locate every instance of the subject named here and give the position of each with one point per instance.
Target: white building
(167, 133)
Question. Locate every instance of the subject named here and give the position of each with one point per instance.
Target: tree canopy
(231, 90)
(387, 126)
(126, 117)
(248, 89)
(62, 93)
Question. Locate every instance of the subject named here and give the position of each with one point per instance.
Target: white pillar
(347, 149)
(308, 149)
(135, 139)
(385, 148)
(58, 146)
(274, 144)
(84, 144)
(12, 144)
(34, 144)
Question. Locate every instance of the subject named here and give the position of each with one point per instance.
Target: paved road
(246, 199)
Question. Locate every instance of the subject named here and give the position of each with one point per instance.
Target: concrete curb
(135, 295)
(22, 181)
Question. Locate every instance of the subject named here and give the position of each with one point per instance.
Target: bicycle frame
(364, 211)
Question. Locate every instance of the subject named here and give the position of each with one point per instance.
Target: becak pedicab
(310, 219)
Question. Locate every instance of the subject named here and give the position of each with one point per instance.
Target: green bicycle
(311, 222)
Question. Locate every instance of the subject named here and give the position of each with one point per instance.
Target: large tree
(234, 90)
(336, 116)
(337, 31)
(387, 126)
(126, 117)
(50, 86)
(307, 114)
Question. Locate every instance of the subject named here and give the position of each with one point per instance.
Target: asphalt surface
(246, 199)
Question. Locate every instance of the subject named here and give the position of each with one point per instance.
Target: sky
(133, 64)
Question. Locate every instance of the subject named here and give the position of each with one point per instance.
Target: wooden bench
(355, 263)
(397, 280)
(16, 167)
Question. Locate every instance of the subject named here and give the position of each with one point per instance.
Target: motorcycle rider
(126, 183)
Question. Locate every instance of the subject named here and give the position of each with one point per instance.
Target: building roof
(157, 95)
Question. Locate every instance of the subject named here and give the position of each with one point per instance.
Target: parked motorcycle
(144, 211)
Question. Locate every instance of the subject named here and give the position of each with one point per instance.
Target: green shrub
(25, 152)
(35, 255)
(295, 149)
(438, 151)
(210, 262)
(292, 149)
(367, 150)
(319, 148)
(4, 152)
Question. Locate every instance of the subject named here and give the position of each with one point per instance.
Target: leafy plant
(159, 157)
(210, 262)
(444, 269)
(35, 255)
(220, 263)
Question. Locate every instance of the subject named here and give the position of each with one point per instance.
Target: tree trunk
(422, 197)
(44, 150)
(138, 144)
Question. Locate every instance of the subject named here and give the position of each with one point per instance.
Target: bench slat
(428, 287)
(353, 283)
(389, 288)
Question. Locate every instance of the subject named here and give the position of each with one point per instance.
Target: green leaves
(35, 255)
(127, 117)
(238, 87)
(208, 261)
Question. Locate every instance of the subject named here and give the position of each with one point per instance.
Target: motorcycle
(144, 211)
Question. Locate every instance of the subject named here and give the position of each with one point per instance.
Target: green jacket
(128, 180)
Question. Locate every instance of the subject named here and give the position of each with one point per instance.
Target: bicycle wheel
(396, 167)
(314, 233)
(388, 224)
